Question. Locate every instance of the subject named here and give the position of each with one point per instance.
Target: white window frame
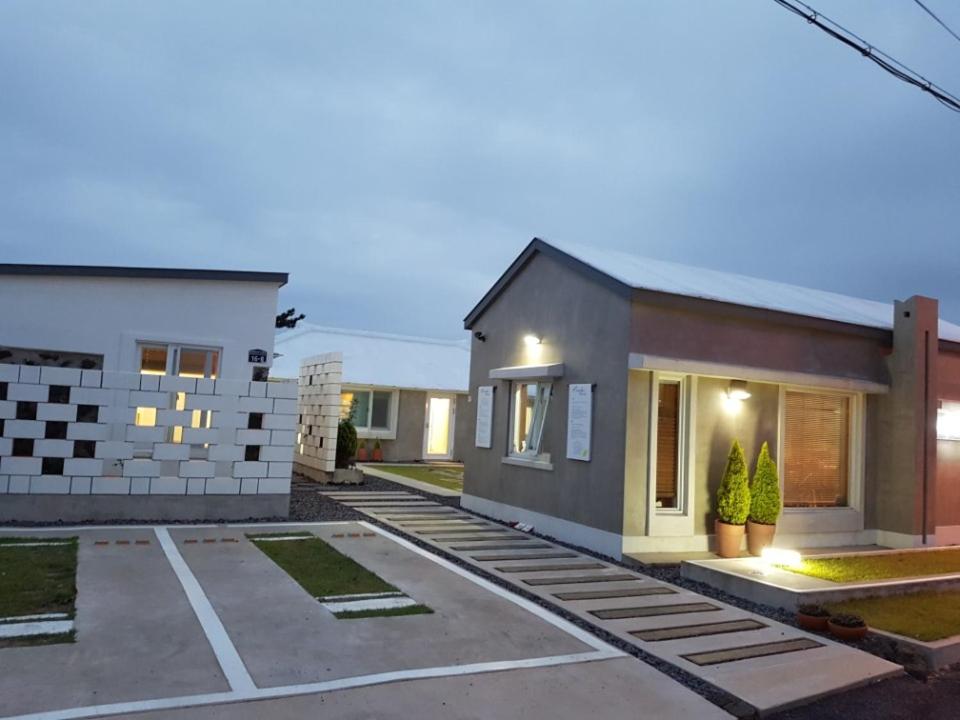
(173, 355)
(676, 521)
(533, 457)
(856, 458)
(366, 432)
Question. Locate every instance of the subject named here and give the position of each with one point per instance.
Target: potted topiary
(847, 627)
(813, 617)
(765, 503)
(346, 449)
(733, 504)
(377, 455)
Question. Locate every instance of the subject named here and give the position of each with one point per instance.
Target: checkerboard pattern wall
(66, 430)
(320, 377)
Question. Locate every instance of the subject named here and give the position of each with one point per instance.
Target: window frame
(856, 432)
(675, 520)
(526, 456)
(366, 432)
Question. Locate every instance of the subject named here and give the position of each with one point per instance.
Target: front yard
(881, 566)
(449, 477)
(923, 616)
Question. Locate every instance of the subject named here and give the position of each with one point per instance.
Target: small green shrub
(848, 620)
(346, 443)
(813, 610)
(765, 502)
(733, 495)
(376, 444)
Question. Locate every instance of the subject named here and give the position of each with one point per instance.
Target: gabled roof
(371, 358)
(625, 272)
(111, 271)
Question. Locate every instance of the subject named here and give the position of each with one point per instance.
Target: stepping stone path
(766, 664)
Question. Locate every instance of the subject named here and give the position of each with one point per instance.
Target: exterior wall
(138, 462)
(584, 325)
(408, 444)
(948, 455)
(319, 415)
(463, 432)
(107, 316)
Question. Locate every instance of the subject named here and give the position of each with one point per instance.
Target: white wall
(108, 316)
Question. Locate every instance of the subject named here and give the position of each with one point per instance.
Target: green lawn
(450, 478)
(858, 568)
(924, 616)
(323, 571)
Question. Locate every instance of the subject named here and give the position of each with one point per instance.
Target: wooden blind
(816, 446)
(668, 444)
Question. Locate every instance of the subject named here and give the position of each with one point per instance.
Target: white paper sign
(484, 416)
(579, 421)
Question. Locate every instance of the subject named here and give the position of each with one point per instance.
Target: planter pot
(729, 539)
(847, 633)
(759, 536)
(361, 454)
(812, 622)
(347, 476)
(377, 455)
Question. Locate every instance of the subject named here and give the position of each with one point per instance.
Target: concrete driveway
(197, 622)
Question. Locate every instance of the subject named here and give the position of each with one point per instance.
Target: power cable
(932, 14)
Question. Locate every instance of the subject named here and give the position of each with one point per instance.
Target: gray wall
(408, 446)
(584, 325)
(464, 429)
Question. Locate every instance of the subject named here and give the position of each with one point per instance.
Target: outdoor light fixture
(738, 390)
(948, 422)
(777, 556)
(531, 340)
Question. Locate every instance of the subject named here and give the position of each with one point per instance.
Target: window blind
(668, 444)
(816, 447)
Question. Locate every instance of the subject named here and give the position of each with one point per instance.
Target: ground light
(778, 557)
(531, 340)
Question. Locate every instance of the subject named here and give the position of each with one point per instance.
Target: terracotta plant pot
(361, 454)
(729, 539)
(816, 623)
(377, 455)
(847, 633)
(759, 536)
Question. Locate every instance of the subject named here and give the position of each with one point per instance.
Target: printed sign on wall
(484, 416)
(579, 421)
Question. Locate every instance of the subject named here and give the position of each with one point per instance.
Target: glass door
(438, 428)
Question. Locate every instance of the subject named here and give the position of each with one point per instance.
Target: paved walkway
(766, 664)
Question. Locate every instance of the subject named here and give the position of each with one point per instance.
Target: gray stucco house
(607, 389)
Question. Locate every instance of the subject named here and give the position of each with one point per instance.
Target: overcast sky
(395, 157)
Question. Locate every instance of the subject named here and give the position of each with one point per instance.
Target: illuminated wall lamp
(948, 423)
(738, 390)
(531, 340)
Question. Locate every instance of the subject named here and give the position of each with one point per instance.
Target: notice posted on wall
(579, 421)
(485, 416)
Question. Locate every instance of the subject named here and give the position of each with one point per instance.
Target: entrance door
(438, 427)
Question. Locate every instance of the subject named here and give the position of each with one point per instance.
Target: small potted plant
(377, 455)
(765, 503)
(847, 627)
(343, 474)
(362, 451)
(813, 617)
(733, 504)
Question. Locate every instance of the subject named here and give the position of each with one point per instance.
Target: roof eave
(110, 271)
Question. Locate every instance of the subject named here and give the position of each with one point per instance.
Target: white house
(405, 391)
(141, 393)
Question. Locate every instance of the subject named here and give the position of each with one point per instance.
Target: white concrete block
(8, 409)
(143, 398)
(274, 486)
(31, 393)
(6, 446)
(249, 469)
(120, 380)
(150, 383)
(91, 396)
(279, 422)
(49, 485)
(29, 374)
(220, 453)
(53, 448)
(253, 437)
(168, 486)
(248, 486)
(59, 376)
(20, 466)
(195, 486)
(4, 484)
(175, 383)
(110, 486)
(92, 378)
(83, 466)
(197, 468)
(222, 486)
(80, 485)
(120, 413)
(232, 387)
(271, 453)
(115, 450)
(258, 389)
(229, 420)
(87, 431)
(205, 386)
(23, 428)
(252, 404)
(174, 417)
(19, 484)
(286, 390)
(9, 373)
(140, 485)
(200, 436)
(171, 451)
(280, 469)
(285, 407)
(282, 437)
(56, 411)
(141, 468)
(210, 402)
(140, 434)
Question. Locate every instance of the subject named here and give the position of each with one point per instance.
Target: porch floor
(675, 558)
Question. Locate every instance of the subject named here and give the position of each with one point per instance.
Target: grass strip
(254, 536)
(447, 478)
(861, 568)
(923, 616)
(31, 640)
(38, 579)
(386, 612)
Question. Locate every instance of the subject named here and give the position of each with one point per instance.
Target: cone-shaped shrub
(346, 443)
(765, 490)
(733, 495)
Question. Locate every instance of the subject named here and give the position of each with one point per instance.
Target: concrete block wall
(319, 409)
(71, 431)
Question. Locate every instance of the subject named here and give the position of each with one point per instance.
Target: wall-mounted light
(480, 336)
(738, 390)
(948, 421)
(531, 340)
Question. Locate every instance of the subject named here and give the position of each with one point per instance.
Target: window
(816, 449)
(668, 444)
(528, 414)
(369, 410)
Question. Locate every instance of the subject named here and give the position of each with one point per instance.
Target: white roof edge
(307, 328)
